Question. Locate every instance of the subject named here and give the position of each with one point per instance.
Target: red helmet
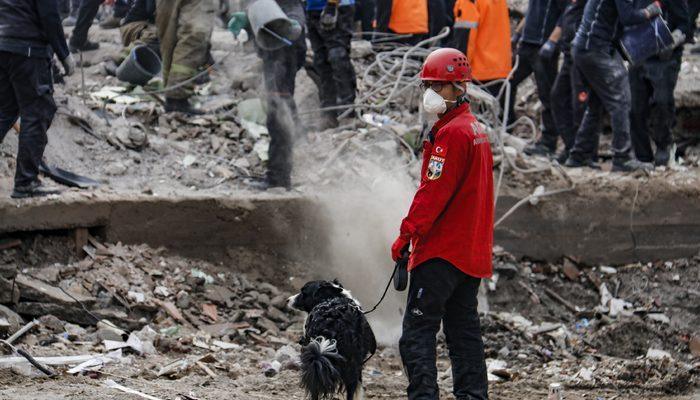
(448, 65)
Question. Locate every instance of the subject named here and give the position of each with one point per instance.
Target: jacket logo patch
(435, 167)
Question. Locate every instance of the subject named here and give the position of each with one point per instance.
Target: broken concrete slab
(14, 321)
(36, 290)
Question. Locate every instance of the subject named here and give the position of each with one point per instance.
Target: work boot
(34, 189)
(70, 20)
(539, 149)
(563, 156)
(181, 106)
(662, 157)
(87, 46)
(632, 165)
(111, 23)
(576, 162)
(264, 185)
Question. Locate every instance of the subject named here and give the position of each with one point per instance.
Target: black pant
(570, 94)
(26, 91)
(545, 73)
(652, 85)
(86, 15)
(366, 12)
(440, 292)
(332, 58)
(605, 76)
(280, 68)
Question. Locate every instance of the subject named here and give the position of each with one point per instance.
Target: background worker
(331, 25)
(568, 89)
(280, 67)
(482, 32)
(86, 15)
(540, 21)
(30, 34)
(403, 17)
(138, 28)
(450, 229)
(652, 84)
(606, 77)
(184, 30)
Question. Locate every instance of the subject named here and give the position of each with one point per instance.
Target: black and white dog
(337, 340)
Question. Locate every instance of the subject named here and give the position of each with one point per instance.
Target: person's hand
(237, 23)
(678, 39)
(548, 50)
(653, 10)
(329, 17)
(515, 39)
(68, 65)
(399, 247)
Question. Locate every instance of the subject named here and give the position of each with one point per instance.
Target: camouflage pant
(135, 34)
(184, 29)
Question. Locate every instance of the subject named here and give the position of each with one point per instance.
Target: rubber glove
(399, 247)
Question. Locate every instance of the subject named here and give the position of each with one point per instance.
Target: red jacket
(452, 212)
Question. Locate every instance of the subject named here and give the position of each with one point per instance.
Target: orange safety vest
(409, 16)
(489, 51)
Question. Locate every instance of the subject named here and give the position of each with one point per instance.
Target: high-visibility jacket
(451, 216)
(409, 16)
(489, 50)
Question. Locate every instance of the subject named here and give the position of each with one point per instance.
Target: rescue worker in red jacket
(449, 229)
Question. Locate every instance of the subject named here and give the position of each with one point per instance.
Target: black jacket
(570, 21)
(141, 10)
(541, 18)
(603, 21)
(32, 28)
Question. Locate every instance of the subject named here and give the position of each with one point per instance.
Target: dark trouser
(69, 7)
(86, 15)
(438, 17)
(570, 97)
(26, 91)
(652, 85)
(332, 58)
(280, 68)
(366, 12)
(439, 292)
(607, 80)
(545, 73)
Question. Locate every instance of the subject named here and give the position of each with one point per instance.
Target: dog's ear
(337, 282)
(329, 290)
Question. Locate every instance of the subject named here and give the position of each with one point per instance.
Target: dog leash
(386, 290)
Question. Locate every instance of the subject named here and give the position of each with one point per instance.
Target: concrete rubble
(163, 317)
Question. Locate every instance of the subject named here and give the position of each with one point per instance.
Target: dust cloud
(363, 199)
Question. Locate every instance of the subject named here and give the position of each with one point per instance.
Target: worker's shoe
(538, 149)
(111, 23)
(181, 106)
(87, 46)
(576, 162)
(266, 184)
(632, 165)
(34, 189)
(70, 20)
(662, 157)
(562, 157)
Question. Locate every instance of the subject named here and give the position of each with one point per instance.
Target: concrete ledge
(601, 227)
(202, 227)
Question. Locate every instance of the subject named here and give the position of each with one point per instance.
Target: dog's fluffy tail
(320, 377)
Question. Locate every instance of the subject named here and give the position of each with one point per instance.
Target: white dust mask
(433, 103)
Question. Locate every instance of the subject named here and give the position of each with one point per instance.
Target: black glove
(329, 16)
(678, 39)
(68, 65)
(653, 9)
(515, 39)
(548, 50)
